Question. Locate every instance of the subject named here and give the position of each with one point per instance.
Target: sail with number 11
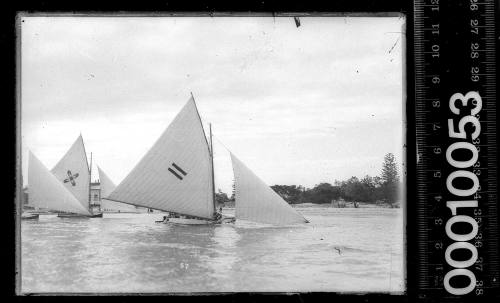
(177, 176)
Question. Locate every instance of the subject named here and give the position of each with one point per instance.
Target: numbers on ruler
(435, 80)
(435, 29)
(461, 241)
(474, 23)
(464, 228)
(473, 5)
(435, 47)
(474, 74)
(474, 53)
(479, 264)
(438, 245)
(477, 195)
(435, 5)
(435, 50)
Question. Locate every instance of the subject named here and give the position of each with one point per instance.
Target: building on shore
(95, 196)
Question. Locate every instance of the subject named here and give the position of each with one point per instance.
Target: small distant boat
(177, 176)
(29, 216)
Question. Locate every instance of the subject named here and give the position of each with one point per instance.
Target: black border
(8, 46)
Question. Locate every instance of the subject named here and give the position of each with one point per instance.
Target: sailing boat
(74, 173)
(47, 192)
(177, 176)
(107, 186)
(255, 201)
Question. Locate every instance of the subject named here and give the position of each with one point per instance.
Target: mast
(212, 158)
(90, 183)
(209, 145)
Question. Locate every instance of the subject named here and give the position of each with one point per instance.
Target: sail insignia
(176, 173)
(179, 169)
(71, 178)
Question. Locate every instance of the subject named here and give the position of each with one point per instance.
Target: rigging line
(216, 138)
(225, 147)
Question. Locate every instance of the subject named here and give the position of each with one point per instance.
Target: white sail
(255, 201)
(175, 174)
(107, 186)
(46, 191)
(73, 172)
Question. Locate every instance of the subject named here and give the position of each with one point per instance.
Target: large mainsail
(73, 172)
(175, 174)
(107, 186)
(255, 201)
(46, 191)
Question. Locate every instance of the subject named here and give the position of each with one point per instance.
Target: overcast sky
(298, 105)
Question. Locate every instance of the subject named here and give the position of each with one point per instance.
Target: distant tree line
(383, 188)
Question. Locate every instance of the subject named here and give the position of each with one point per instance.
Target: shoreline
(329, 205)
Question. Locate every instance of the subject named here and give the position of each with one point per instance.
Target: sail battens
(255, 201)
(46, 191)
(159, 182)
(73, 172)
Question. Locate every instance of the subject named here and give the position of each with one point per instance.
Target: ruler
(456, 172)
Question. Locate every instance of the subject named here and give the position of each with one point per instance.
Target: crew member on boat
(165, 218)
(217, 216)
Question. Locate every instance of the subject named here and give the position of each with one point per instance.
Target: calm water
(340, 250)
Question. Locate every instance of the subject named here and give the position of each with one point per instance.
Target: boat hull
(29, 217)
(228, 220)
(183, 221)
(68, 215)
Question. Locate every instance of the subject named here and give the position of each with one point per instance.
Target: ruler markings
(426, 68)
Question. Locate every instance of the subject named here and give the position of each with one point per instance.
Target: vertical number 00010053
(456, 148)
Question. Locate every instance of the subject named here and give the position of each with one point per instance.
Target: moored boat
(29, 216)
